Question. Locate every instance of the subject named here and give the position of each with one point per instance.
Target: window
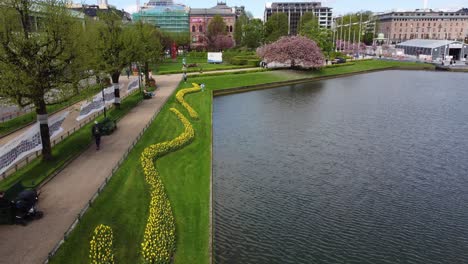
(230, 28)
(200, 28)
(193, 28)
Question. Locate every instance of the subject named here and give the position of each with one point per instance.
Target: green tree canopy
(38, 57)
(253, 34)
(216, 27)
(239, 30)
(116, 48)
(276, 27)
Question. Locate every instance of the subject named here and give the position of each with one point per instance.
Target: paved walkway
(232, 70)
(65, 195)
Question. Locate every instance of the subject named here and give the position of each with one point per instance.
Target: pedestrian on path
(97, 134)
(185, 77)
(128, 73)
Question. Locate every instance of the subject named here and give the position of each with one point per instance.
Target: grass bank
(38, 170)
(169, 66)
(123, 205)
(26, 119)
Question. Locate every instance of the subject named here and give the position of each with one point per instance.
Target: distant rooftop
(220, 9)
(426, 43)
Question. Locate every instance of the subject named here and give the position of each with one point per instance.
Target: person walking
(128, 73)
(97, 134)
(185, 77)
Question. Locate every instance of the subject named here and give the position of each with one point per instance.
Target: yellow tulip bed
(159, 239)
(180, 97)
(101, 246)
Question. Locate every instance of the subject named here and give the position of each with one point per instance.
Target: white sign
(215, 57)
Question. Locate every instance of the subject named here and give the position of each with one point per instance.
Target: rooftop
(426, 43)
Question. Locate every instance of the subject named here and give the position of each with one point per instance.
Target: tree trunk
(115, 83)
(146, 73)
(42, 118)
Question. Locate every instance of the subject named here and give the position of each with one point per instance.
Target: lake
(370, 168)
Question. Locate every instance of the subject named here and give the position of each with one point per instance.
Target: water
(364, 169)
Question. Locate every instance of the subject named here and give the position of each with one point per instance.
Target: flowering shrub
(180, 97)
(296, 51)
(159, 238)
(101, 246)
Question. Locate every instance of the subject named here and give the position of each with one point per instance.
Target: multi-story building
(165, 14)
(201, 17)
(295, 10)
(424, 24)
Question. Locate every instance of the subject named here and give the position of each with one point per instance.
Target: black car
(339, 61)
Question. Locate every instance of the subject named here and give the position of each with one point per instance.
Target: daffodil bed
(101, 245)
(180, 97)
(159, 239)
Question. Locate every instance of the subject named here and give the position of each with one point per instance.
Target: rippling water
(364, 169)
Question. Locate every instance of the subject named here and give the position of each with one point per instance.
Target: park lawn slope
(123, 205)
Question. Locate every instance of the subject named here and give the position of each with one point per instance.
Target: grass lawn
(23, 120)
(38, 170)
(123, 205)
(169, 66)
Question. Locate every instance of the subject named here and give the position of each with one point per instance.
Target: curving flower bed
(180, 97)
(158, 243)
(159, 239)
(101, 246)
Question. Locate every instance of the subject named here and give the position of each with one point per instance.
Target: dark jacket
(96, 130)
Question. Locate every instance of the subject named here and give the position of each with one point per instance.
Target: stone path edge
(103, 185)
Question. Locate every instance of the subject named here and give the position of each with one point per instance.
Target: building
(435, 49)
(424, 24)
(93, 10)
(166, 15)
(295, 10)
(201, 17)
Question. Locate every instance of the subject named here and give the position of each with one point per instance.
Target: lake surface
(365, 169)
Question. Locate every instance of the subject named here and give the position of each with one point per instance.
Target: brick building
(200, 18)
(424, 24)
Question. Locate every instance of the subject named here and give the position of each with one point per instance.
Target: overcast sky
(339, 6)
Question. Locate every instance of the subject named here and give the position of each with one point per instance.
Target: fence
(101, 187)
(29, 158)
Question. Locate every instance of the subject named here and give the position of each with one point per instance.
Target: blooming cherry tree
(296, 51)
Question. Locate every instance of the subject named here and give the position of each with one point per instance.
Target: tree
(115, 48)
(222, 42)
(253, 34)
(322, 36)
(296, 51)
(37, 56)
(307, 18)
(239, 30)
(276, 27)
(216, 33)
(216, 27)
(148, 45)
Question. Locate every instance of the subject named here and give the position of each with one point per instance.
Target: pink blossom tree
(222, 42)
(296, 51)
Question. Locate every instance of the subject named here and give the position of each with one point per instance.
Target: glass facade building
(166, 15)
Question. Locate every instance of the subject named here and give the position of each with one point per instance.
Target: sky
(340, 7)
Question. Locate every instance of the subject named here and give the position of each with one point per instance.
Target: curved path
(66, 194)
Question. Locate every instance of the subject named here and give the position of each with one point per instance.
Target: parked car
(339, 61)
